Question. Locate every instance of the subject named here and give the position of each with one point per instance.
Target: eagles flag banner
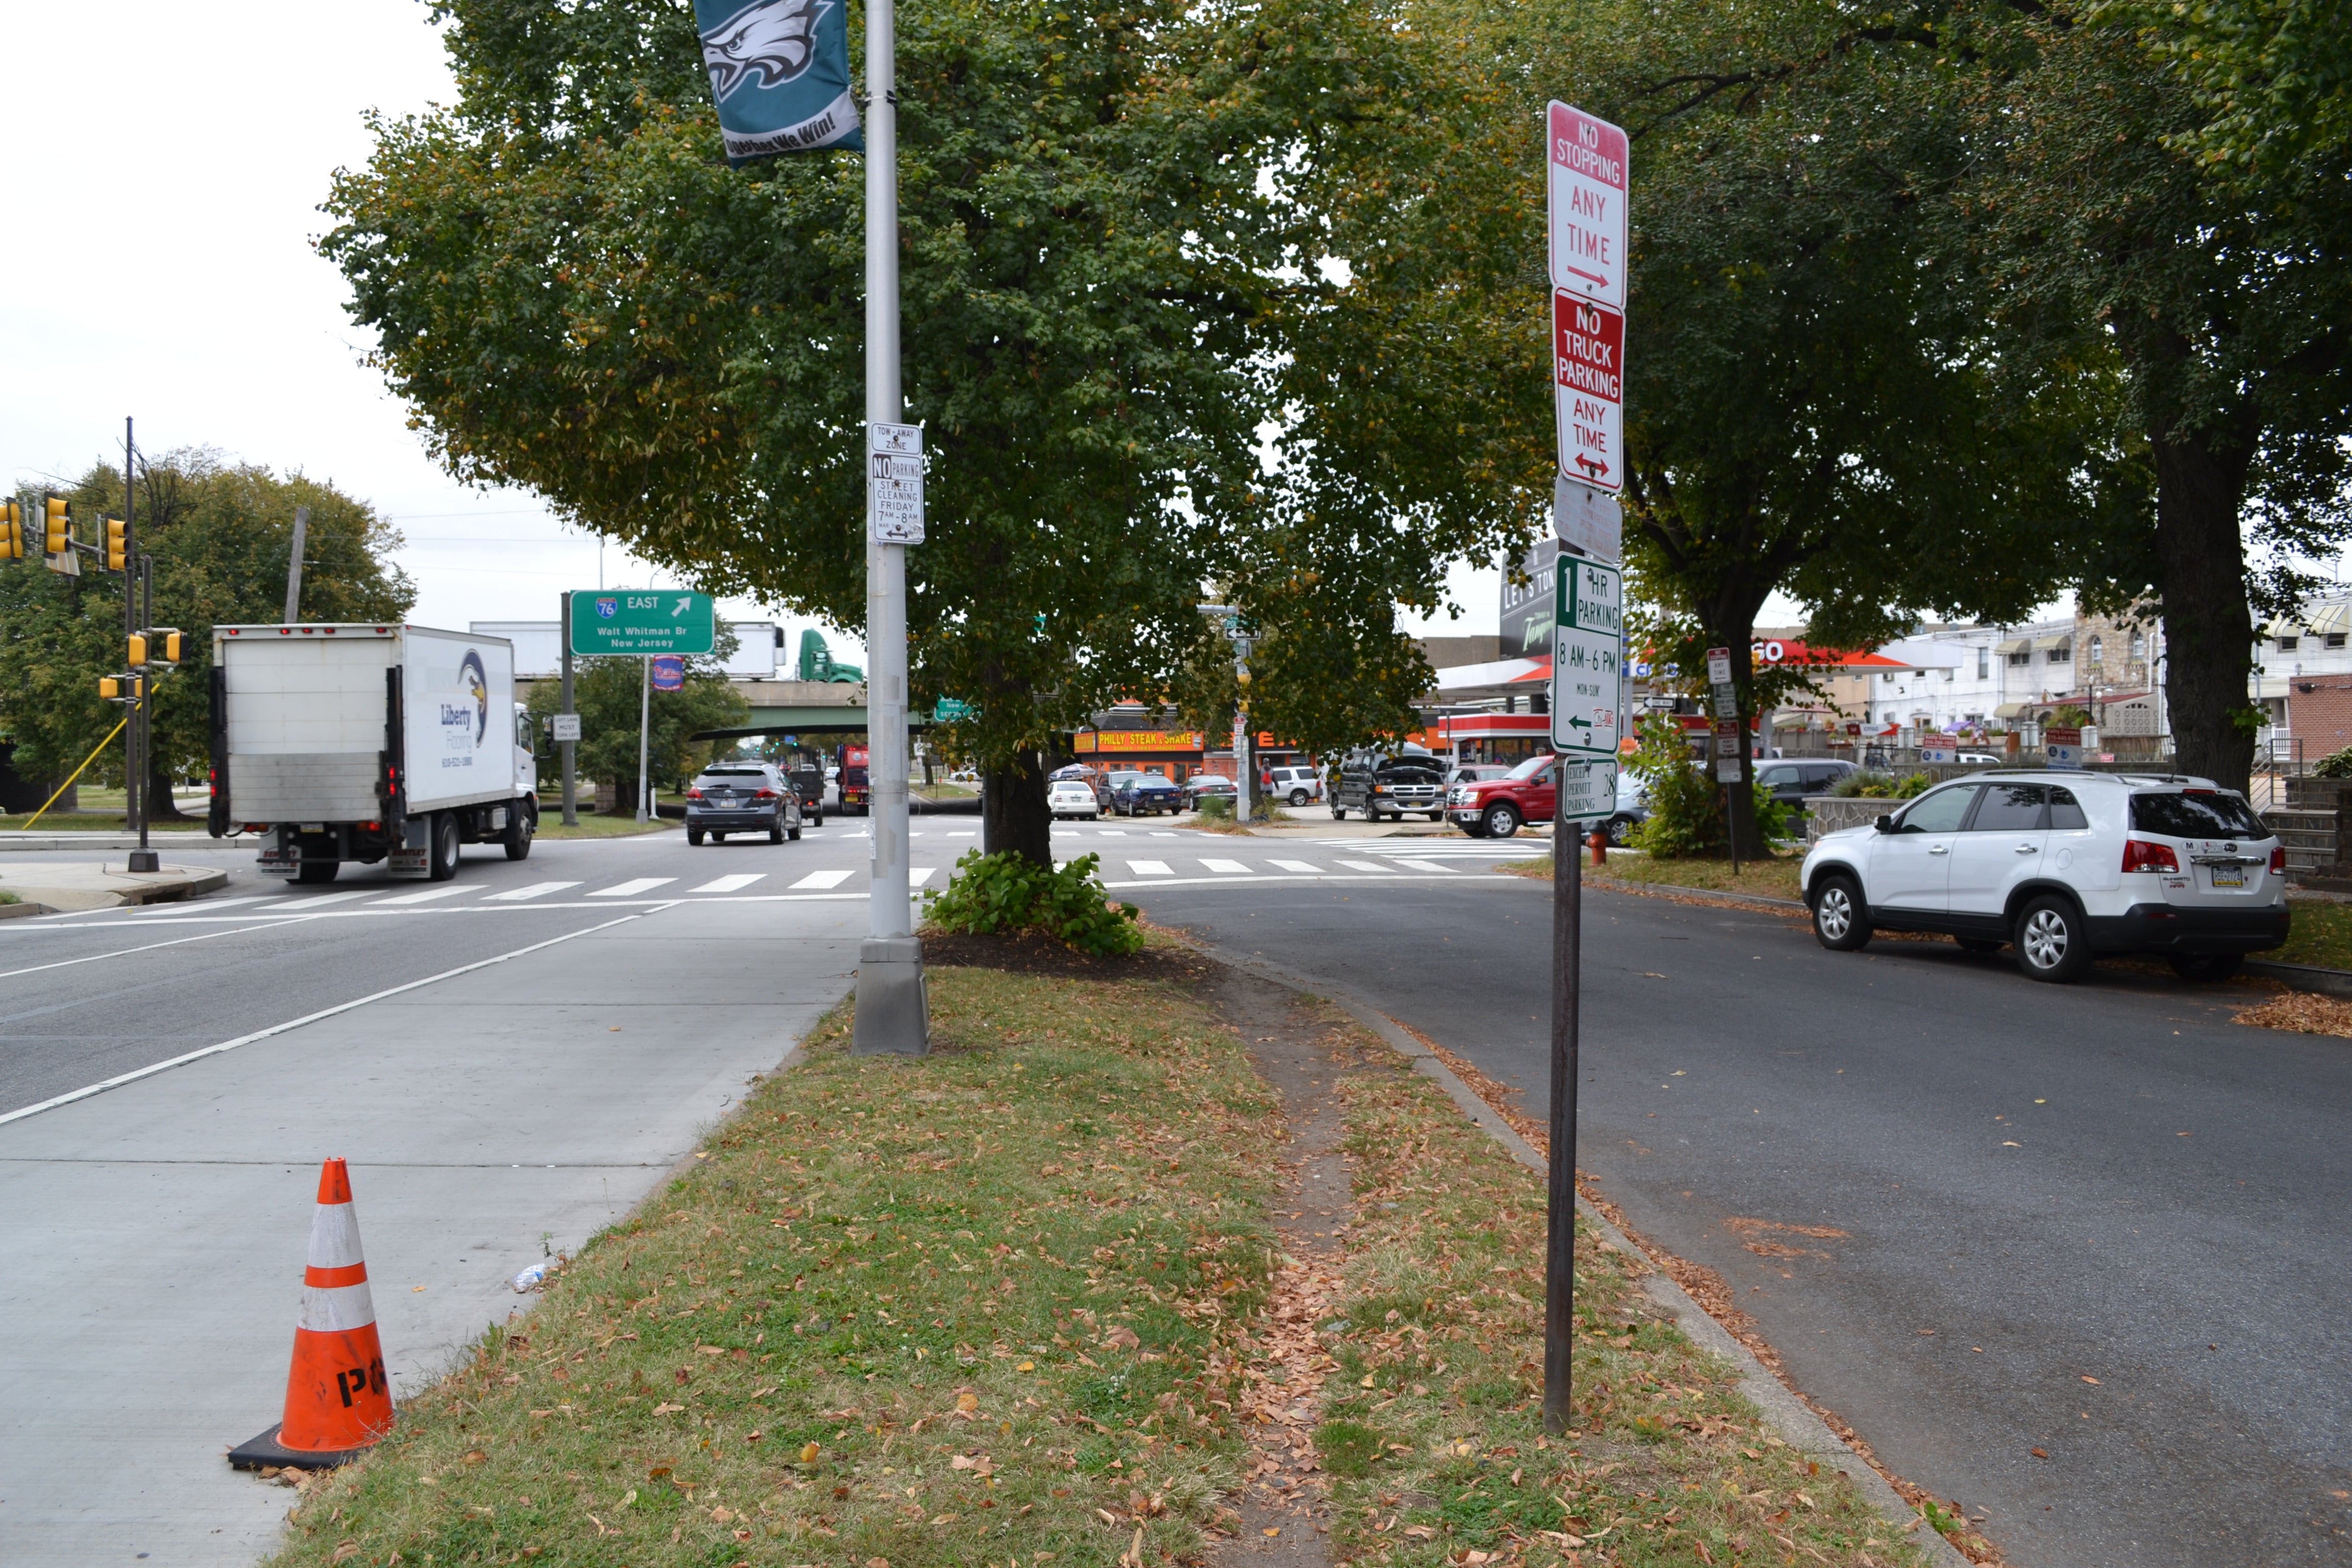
(779, 75)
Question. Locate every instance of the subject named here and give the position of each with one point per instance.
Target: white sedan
(1071, 797)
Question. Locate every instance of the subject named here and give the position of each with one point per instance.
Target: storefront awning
(2008, 710)
(2014, 645)
(2059, 639)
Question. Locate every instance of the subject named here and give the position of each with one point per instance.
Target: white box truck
(369, 742)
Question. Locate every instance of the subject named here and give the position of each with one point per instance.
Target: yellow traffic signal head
(12, 540)
(138, 651)
(59, 524)
(110, 688)
(171, 648)
(118, 543)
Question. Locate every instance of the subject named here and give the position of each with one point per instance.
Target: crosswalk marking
(1228, 867)
(426, 897)
(1164, 833)
(536, 890)
(1368, 866)
(314, 901)
(632, 887)
(1430, 866)
(1150, 868)
(919, 875)
(1301, 867)
(729, 884)
(822, 879)
(1114, 833)
(972, 833)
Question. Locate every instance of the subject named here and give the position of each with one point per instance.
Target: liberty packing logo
(466, 724)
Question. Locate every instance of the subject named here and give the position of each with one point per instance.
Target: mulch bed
(1035, 952)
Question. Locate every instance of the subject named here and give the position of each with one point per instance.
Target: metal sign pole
(645, 728)
(893, 1008)
(571, 783)
(1560, 1237)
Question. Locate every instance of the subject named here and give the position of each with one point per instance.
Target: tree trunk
(2209, 632)
(1013, 816)
(1735, 628)
(161, 807)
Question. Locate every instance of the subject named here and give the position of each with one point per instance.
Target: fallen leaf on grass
(666, 1408)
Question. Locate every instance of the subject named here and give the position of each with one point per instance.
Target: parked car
(1791, 782)
(1071, 797)
(1632, 806)
(1498, 808)
(743, 797)
(1142, 794)
(1379, 785)
(1209, 786)
(1093, 777)
(1296, 785)
(2064, 866)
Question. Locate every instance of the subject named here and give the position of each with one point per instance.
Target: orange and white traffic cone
(338, 1398)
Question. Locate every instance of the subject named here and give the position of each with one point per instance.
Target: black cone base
(265, 1450)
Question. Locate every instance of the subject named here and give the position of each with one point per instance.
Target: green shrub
(1009, 892)
(2334, 765)
(1215, 808)
(1881, 787)
(1685, 816)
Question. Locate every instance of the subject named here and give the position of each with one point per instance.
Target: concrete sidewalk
(153, 1236)
(105, 885)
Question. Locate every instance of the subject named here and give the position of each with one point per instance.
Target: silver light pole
(893, 1009)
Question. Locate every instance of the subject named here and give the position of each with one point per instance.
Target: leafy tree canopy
(221, 535)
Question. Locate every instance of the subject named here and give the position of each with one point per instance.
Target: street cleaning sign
(1587, 194)
(779, 75)
(643, 622)
(895, 453)
(1587, 688)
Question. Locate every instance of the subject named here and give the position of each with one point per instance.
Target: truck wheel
(522, 827)
(1338, 812)
(1501, 821)
(316, 871)
(818, 820)
(442, 863)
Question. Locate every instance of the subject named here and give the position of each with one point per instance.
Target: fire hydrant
(1598, 844)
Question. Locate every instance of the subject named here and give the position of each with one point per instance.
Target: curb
(2301, 976)
(1797, 1426)
(1753, 901)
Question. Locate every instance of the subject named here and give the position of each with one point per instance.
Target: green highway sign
(642, 621)
(951, 710)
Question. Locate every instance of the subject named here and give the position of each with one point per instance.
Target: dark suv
(1791, 781)
(1381, 786)
(743, 797)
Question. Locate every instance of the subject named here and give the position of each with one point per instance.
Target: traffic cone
(338, 1399)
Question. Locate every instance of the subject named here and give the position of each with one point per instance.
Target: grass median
(1775, 877)
(977, 1307)
(1005, 1305)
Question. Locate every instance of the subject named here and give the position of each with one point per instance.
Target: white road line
(919, 875)
(1164, 833)
(1432, 866)
(730, 884)
(1368, 866)
(1114, 833)
(824, 879)
(208, 903)
(153, 1067)
(632, 887)
(536, 890)
(1300, 866)
(312, 903)
(1228, 867)
(1150, 868)
(124, 952)
(426, 897)
(973, 833)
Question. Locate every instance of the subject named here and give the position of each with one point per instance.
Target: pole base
(893, 1006)
(146, 860)
(266, 1450)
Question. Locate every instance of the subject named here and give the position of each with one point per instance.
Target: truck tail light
(2139, 855)
(2278, 861)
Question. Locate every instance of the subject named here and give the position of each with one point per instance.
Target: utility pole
(893, 1003)
(644, 730)
(568, 719)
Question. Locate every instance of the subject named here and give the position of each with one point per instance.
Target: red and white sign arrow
(1588, 350)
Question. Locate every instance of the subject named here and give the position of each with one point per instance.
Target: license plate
(2229, 876)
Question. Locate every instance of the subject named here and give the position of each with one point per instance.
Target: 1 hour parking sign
(1588, 691)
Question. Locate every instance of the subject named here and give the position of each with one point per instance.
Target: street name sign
(895, 482)
(1588, 791)
(644, 621)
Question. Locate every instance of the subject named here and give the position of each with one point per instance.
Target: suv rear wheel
(1501, 820)
(1838, 923)
(2050, 942)
(1299, 797)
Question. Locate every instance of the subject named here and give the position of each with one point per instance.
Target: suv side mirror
(1886, 823)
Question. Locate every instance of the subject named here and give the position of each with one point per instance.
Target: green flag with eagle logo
(779, 75)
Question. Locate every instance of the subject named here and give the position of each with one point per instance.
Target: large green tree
(575, 293)
(221, 535)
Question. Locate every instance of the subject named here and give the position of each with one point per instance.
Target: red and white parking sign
(1587, 191)
(1588, 350)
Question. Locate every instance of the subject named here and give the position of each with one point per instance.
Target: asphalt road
(1978, 1215)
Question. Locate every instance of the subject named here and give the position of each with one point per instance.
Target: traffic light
(12, 532)
(118, 544)
(59, 521)
(138, 651)
(110, 688)
(171, 648)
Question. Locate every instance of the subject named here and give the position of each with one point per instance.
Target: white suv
(1296, 785)
(2064, 865)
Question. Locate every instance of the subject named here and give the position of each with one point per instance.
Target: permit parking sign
(1588, 791)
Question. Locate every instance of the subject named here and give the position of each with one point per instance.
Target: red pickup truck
(1496, 808)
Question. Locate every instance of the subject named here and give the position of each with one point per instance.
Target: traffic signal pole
(893, 1007)
(138, 605)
